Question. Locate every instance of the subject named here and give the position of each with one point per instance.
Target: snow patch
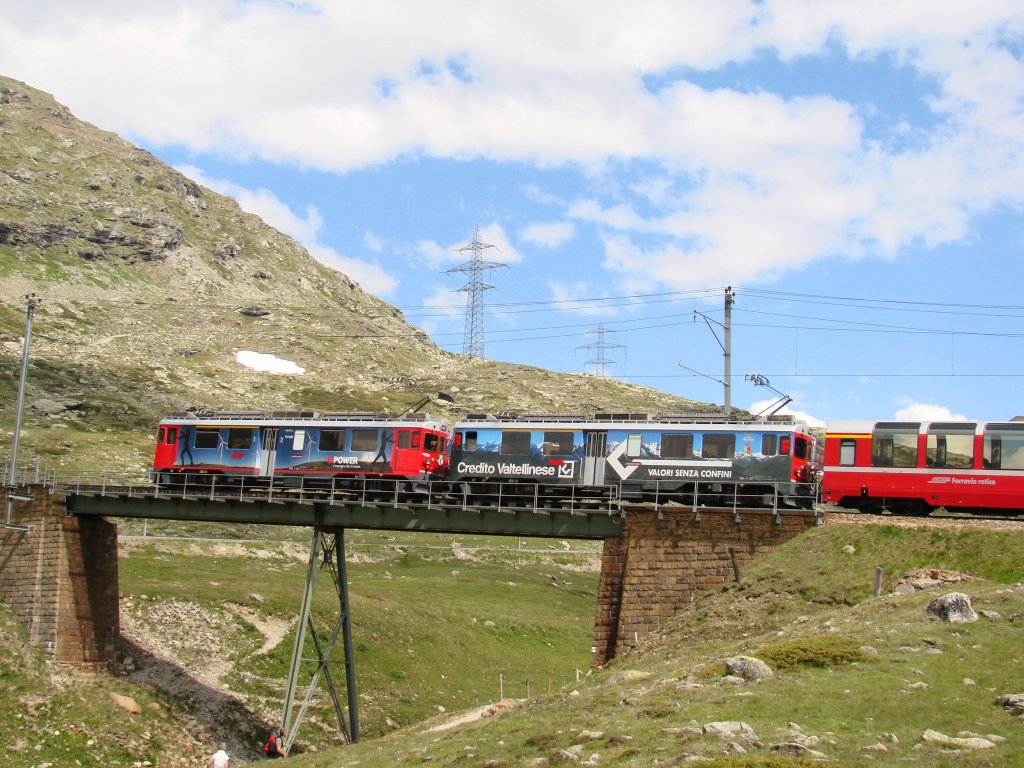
(268, 363)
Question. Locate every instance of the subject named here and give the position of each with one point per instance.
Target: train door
(268, 456)
(594, 458)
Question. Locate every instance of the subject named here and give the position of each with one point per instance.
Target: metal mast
(32, 302)
(726, 381)
(599, 361)
(473, 341)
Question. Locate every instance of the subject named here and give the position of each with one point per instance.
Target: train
(550, 459)
(292, 445)
(911, 467)
(904, 467)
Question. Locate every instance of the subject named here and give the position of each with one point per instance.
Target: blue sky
(852, 169)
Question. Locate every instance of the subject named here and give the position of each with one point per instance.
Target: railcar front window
(801, 448)
(430, 442)
(515, 442)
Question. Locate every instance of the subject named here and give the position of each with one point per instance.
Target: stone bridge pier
(60, 578)
(663, 559)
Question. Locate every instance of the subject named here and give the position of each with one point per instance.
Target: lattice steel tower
(600, 361)
(473, 341)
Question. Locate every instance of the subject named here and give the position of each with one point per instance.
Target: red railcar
(915, 467)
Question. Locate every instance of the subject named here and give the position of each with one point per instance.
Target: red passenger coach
(915, 467)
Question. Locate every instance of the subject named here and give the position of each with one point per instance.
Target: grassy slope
(418, 647)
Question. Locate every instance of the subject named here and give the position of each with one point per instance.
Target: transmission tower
(473, 341)
(599, 361)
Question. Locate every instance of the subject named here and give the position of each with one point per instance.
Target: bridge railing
(737, 496)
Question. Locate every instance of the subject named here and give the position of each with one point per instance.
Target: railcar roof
(672, 421)
(864, 426)
(303, 418)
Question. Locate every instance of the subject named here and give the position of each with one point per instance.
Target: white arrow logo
(614, 461)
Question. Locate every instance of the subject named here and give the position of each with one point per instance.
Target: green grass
(850, 671)
(428, 629)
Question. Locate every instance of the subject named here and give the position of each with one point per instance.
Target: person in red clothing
(274, 747)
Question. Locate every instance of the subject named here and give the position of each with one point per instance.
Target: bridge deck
(519, 510)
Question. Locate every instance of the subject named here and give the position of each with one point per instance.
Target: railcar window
(160, 435)
(403, 438)
(719, 446)
(207, 437)
(469, 441)
(801, 448)
(298, 440)
(365, 439)
(769, 445)
(955, 451)
(633, 445)
(415, 441)
(1003, 451)
(515, 442)
(676, 446)
(430, 442)
(557, 443)
(847, 453)
(894, 449)
(172, 436)
(332, 440)
(240, 438)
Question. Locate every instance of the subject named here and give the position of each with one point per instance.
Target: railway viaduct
(60, 575)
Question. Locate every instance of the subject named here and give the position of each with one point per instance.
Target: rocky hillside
(150, 283)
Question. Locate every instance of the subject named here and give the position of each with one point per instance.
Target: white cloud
(267, 363)
(745, 184)
(373, 242)
(304, 229)
(549, 234)
(927, 412)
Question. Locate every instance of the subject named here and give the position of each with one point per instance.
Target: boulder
(954, 608)
(747, 667)
(127, 703)
(975, 742)
(1012, 702)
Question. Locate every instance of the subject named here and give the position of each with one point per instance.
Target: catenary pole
(32, 302)
(730, 299)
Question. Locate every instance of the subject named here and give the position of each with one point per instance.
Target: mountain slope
(150, 283)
